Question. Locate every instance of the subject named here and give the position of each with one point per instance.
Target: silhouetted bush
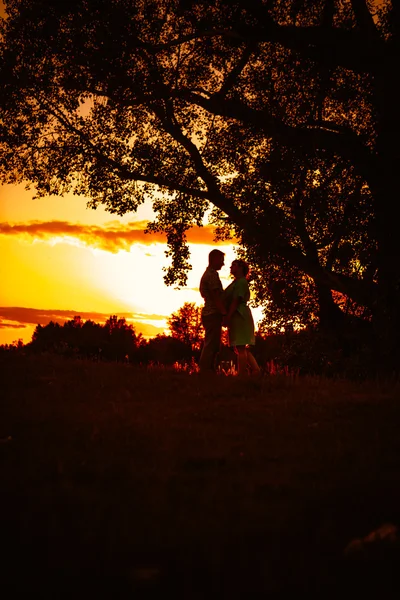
(164, 349)
(350, 354)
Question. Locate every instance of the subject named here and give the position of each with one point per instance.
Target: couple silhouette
(227, 308)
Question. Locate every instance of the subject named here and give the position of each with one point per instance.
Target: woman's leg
(242, 360)
(251, 361)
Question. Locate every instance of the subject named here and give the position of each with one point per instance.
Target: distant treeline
(115, 340)
(305, 352)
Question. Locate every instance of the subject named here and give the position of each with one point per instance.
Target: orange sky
(62, 259)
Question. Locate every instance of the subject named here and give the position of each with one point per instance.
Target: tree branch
(233, 75)
(123, 170)
(341, 229)
(172, 127)
(299, 218)
(322, 137)
(364, 294)
(364, 20)
(359, 291)
(327, 45)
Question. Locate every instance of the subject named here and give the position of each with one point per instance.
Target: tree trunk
(386, 314)
(387, 209)
(331, 317)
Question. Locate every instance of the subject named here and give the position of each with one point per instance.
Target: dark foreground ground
(147, 483)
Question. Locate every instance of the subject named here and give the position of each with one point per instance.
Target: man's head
(216, 259)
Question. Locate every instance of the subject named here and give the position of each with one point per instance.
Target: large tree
(278, 114)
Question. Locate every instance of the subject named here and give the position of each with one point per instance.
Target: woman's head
(239, 268)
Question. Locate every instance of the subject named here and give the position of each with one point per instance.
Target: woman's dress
(241, 327)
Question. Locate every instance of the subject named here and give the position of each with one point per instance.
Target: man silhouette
(213, 310)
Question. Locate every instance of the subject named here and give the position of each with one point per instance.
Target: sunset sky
(61, 259)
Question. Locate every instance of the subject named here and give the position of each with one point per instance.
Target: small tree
(48, 338)
(165, 349)
(185, 325)
(121, 338)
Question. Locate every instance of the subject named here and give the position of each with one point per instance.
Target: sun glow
(63, 256)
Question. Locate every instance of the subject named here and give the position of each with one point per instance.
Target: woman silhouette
(239, 319)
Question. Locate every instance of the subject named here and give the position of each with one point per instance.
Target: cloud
(37, 316)
(5, 325)
(139, 316)
(112, 237)
(17, 317)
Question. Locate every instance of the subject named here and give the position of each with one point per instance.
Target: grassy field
(129, 482)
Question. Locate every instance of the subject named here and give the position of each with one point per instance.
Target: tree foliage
(115, 340)
(278, 115)
(166, 350)
(185, 325)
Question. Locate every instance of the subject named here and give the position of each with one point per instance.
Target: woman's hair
(244, 265)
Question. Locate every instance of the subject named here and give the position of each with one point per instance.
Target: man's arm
(217, 298)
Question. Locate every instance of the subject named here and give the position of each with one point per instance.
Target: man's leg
(212, 341)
